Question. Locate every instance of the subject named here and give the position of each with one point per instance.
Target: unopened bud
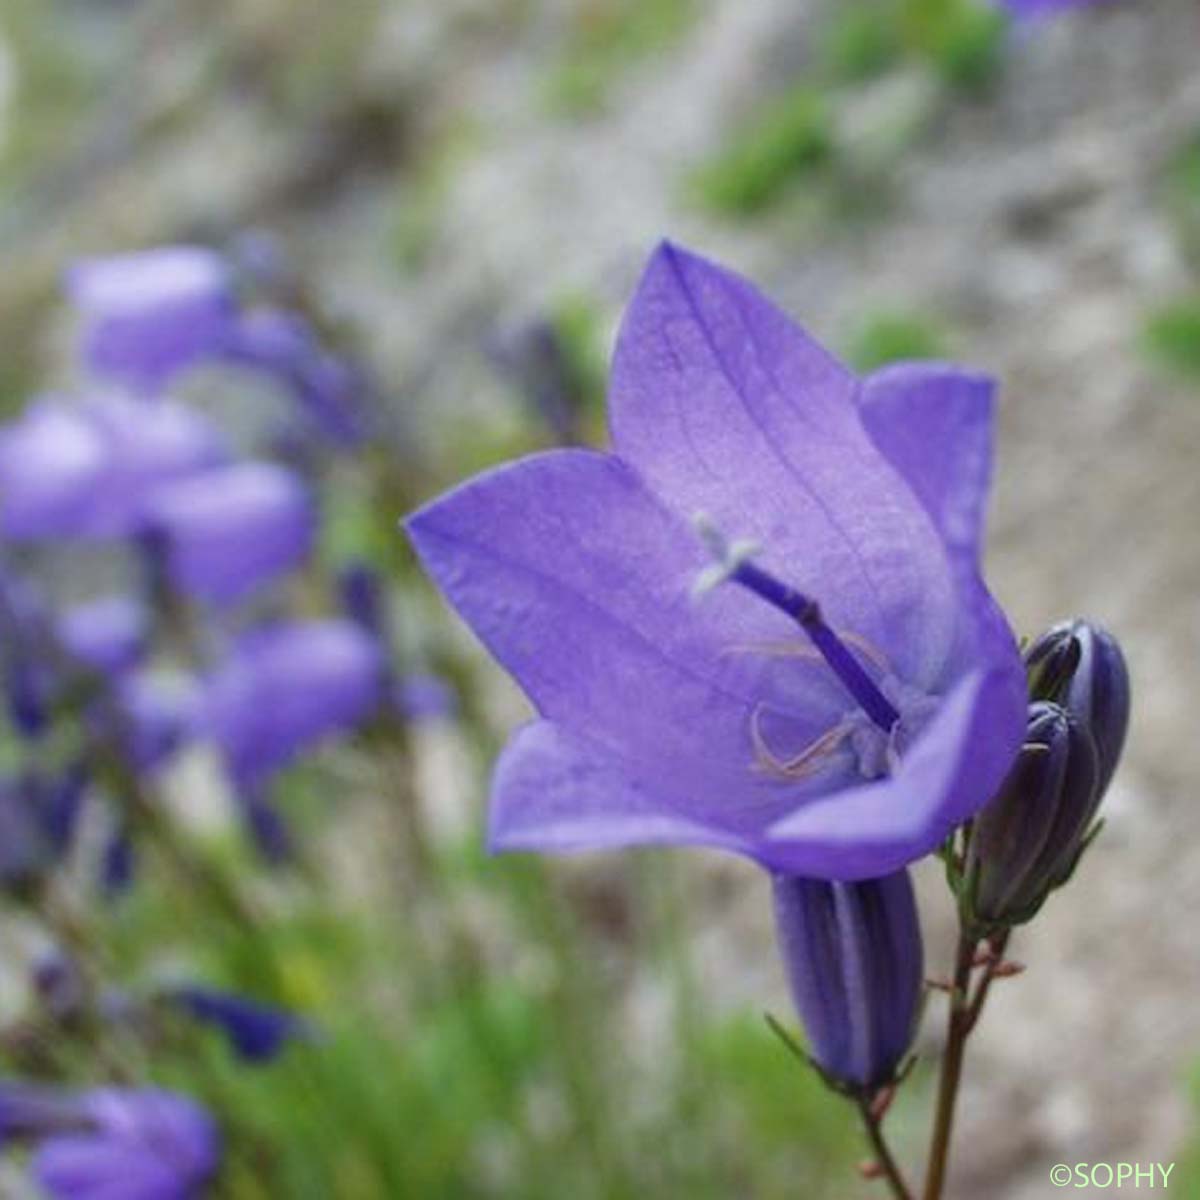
(854, 962)
(1027, 840)
(1080, 665)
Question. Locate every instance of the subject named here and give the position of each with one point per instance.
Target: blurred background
(458, 195)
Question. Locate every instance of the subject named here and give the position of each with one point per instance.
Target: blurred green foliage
(893, 336)
(787, 138)
(1172, 337)
(606, 37)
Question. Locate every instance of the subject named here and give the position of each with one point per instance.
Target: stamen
(787, 649)
(799, 766)
(735, 564)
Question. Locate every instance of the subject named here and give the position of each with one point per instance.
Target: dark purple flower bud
(148, 315)
(224, 533)
(256, 1032)
(1027, 840)
(286, 688)
(854, 962)
(1080, 665)
(142, 1144)
(109, 635)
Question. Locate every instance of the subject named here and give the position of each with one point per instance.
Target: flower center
(733, 563)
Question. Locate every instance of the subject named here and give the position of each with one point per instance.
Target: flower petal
(933, 423)
(553, 792)
(953, 770)
(579, 582)
(725, 406)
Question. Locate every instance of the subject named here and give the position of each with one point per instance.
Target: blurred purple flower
(423, 698)
(149, 314)
(256, 1032)
(148, 715)
(855, 966)
(118, 863)
(287, 687)
(88, 470)
(26, 849)
(225, 533)
(27, 679)
(108, 635)
(328, 391)
(1041, 8)
(136, 1144)
(718, 722)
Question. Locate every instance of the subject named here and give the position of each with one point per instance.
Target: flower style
(727, 721)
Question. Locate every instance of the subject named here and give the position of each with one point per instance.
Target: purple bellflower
(87, 470)
(109, 635)
(839, 732)
(855, 966)
(136, 1144)
(257, 1033)
(286, 687)
(149, 314)
(225, 533)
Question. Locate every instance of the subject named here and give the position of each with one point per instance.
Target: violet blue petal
(551, 791)
(933, 423)
(227, 532)
(725, 406)
(149, 314)
(579, 581)
(286, 688)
